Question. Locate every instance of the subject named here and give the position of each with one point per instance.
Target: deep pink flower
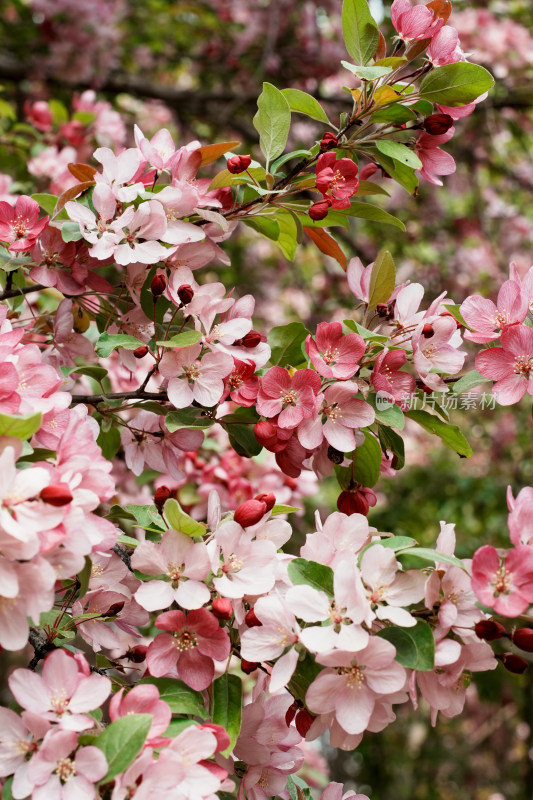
(336, 179)
(338, 417)
(488, 319)
(192, 378)
(21, 225)
(414, 22)
(55, 264)
(520, 518)
(504, 583)
(510, 365)
(333, 354)
(242, 385)
(292, 398)
(434, 160)
(388, 377)
(188, 647)
(142, 699)
(444, 48)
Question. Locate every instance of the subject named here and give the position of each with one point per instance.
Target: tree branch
(138, 394)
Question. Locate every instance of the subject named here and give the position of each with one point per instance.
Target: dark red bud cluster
(329, 141)
(162, 493)
(141, 351)
(57, 494)
(523, 638)
(268, 499)
(158, 285)
(356, 501)
(319, 210)
(515, 664)
(437, 124)
(222, 608)
(185, 293)
(238, 164)
(489, 630)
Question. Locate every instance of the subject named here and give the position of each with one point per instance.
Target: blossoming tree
(177, 648)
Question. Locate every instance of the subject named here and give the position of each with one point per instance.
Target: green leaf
(468, 381)
(266, 226)
(272, 122)
(456, 84)
(180, 697)
(70, 232)
(11, 261)
(382, 280)
(433, 556)
(311, 573)
(305, 673)
(180, 521)
(395, 113)
(455, 311)
(399, 172)
(396, 542)
(451, 435)
(91, 370)
(367, 461)
(366, 73)
(364, 332)
(176, 726)
(186, 418)
(110, 442)
(59, 112)
(393, 442)
(7, 794)
(227, 706)
(47, 202)
(304, 103)
(239, 427)
(20, 427)
(288, 234)
(361, 34)
(415, 647)
(274, 167)
(84, 576)
(122, 741)
(283, 509)
(387, 412)
(372, 213)
(367, 188)
(286, 344)
(110, 341)
(399, 152)
(184, 339)
(298, 789)
(146, 516)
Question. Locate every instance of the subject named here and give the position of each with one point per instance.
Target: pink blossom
(336, 179)
(148, 441)
(142, 699)
(352, 683)
(20, 737)
(333, 354)
(247, 566)
(55, 263)
(340, 537)
(21, 225)
(434, 160)
(125, 613)
(159, 151)
(414, 22)
(388, 377)
(444, 47)
(139, 232)
(520, 518)
(487, 319)
(95, 228)
(438, 352)
(504, 583)
(118, 171)
(510, 365)
(242, 384)
(334, 791)
(387, 589)
(65, 691)
(188, 647)
(338, 417)
(277, 632)
(192, 378)
(292, 398)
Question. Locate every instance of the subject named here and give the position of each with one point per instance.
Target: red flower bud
(523, 638)
(356, 501)
(251, 339)
(268, 499)
(304, 720)
(115, 609)
(248, 666)
(329, 141)
(250, 513)
(140, 352)
(158, 285)
(238, 164)
(437, 124)
(368, 171)
(319, 210)
(290, 713)
(515, 664)
(427, 331)
(222, 608)
(185, 293)
(251, 619)
(489, 630)
(161, 496)
(266, 434)
(58, 494)
(136, 654)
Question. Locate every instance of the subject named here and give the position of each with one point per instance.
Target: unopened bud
(136, 654)
(115, 609)
(238, 164)
(251, 619)
(427, 331)
(383, 310)
(140, 352)
(251, 339)
(334, 455)
(266, 433)
(437, 124)
(162, 493)
(515, 664)
(319, 210)
(268, 499)
(489, 630)
(356, 501)
(304, 720)
(185, 293)
(158, 285)
(222, 608)
(57, 494)
(290, 713)
(329, 141)
(249, 513)
(523, 638)
(248, 666)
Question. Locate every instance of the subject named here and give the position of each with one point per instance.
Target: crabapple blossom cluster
(152, 441)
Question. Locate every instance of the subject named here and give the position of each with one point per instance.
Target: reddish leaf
(210, 152)
(327, 245)
(71, 193)
(83, 172)
(441, 8)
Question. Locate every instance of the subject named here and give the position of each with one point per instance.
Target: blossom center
(235, 380)
(330, 356)
(192, 372)
(65, 769)
(185, 640)
(501, 318)
(522, 365)
(174, 571)
(502, 583)
(233, 564)
(332, 412)
(354, 676)
(289, 398)
(59, 700)
(19, 226)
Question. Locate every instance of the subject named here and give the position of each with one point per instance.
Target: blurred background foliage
(197, 68)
